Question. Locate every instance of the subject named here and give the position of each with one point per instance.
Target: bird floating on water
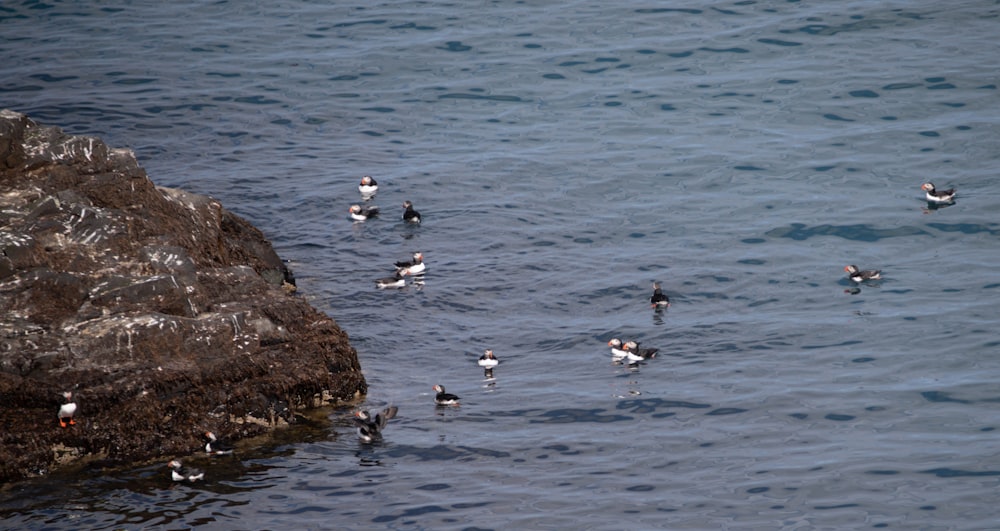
(859, 275)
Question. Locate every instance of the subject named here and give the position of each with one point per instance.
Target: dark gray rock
(164, 313)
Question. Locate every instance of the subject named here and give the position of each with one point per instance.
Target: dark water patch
(748, 168)
(680, 55)
(593, 70)
(836, 118)
(758, 490)
(433, 486)
(374, 22)
(553, 76)
(645, 51)
(572, 63)
(135, 81)
(965, 228)
(753, 240)
(532, 46)
(889, 118)
(488, 97)
(667, 107)
(932, 134)
(415, 26)
(831, 507)
(655, 10)
(863, 359)
(955, 105)
(799, 416)
(825, 168)
(22, 88)
(726, 411)
(838, 417)
(613, 104)
(455, 46)
(762, 303)
(444, 453)
(570, 415)
(900, 86)
(378, 109)
(778, 42)
(752, 261)
(863, 94)
(52, 79)
(413, 511)
(955, 473)
(607, 60)
(883, 472)
(941, 86)
(734, 49)
(787, 81)
(847, 343)
(865, 233)
(225, 75)
(940, 396)
(256, 100)
(650, 405)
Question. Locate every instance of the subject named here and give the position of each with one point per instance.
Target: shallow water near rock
(564, 158)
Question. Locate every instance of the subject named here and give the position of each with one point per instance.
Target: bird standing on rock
(67, 410)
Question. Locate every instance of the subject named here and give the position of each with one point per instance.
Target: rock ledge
(165, 314)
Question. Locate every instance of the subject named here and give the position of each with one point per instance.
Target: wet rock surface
(165, 314)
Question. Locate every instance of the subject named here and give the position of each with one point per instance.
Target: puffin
(413, 267)
(488, 360)
(659, 299)
(359, 213)
(217, 446)
(633, 349)
(179, 472)
(395, 281)
(934, 195)
(444, 399)
(67, 410)
(858, 275)
(617, 353)
(368, 186)
(371, 429)
(410, 215)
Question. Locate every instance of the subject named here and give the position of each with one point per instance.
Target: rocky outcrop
(165, 314)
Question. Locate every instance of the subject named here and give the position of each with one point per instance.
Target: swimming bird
(370, 429)
(359, 213)
(410, 215)
(444, 399)
(395, 281)
(180, 472)
(634, 350)
(659, 299)
(617, 353)
(488, 360)
(413, 267)
(67, 410)
(858, 275)
(934, 195)
(217, 446)
(368, 186)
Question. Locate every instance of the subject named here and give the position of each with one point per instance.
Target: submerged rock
(165, 314)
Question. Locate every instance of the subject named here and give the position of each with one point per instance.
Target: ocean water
(564, 156)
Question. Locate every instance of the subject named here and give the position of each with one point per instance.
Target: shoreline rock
(165, 314)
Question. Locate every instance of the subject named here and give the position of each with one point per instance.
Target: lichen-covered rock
(165, 314)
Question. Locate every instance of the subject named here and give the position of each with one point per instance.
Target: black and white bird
(67, 410)
(488, 360)
(395, 281)
(934, 195)
(360, 213)
(368, 186)
(179, 472)
(858, 275)
(370, 429)
(634, 350)
(415, 266)
(444, 399)
(617, 352)
(659, 299)
(216, 446)
(410, 215)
